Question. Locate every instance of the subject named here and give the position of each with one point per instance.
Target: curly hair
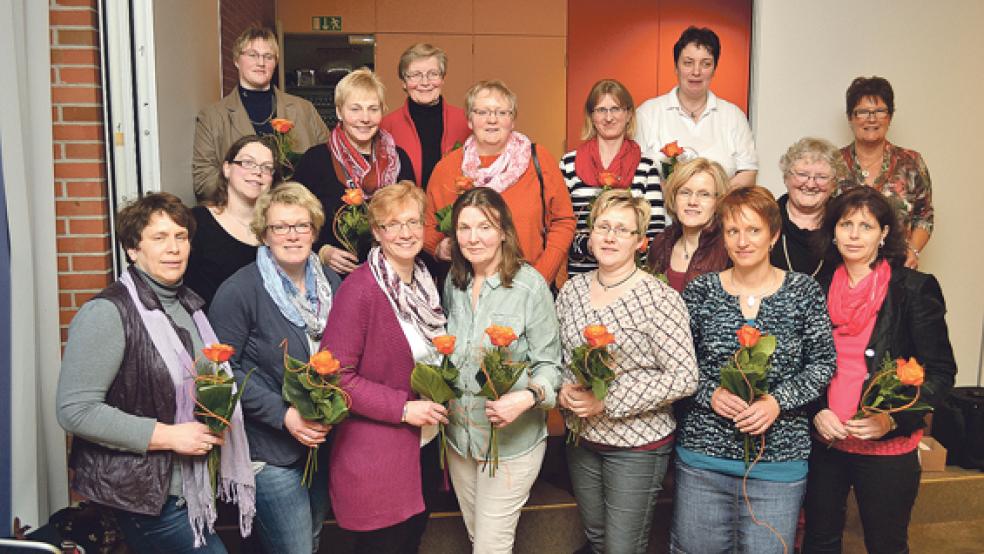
(135, 216)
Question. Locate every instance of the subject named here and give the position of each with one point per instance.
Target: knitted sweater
(802, 364)
(645, 183)
(653, 354)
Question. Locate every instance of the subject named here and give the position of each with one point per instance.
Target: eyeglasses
(621, 232)
(877, 113)
(499, 114)
(615, 111)
(250, 165)
(804, 178)
(394, 228)
(418, 76)
(281, 229)
(701, 195)
(256, 56)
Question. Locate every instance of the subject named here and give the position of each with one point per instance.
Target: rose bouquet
(745, 374)
(443, 216)
(438, 382)
(285, 146)
(312, 389)
(497, 374)
(591, 363)
(216, 396)
(351, 224)
(895, 388)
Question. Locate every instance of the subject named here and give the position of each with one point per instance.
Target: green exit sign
(326, 23)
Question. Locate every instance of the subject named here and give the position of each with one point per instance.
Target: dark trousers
(884, 486)
(402, 538)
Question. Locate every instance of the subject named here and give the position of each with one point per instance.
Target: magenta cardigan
(375, 460)
(399, 124)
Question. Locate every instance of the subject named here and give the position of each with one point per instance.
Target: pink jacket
(399, 124)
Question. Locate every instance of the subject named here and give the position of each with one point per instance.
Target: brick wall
(81, 204)
(236, 15)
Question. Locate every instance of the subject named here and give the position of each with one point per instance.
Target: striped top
(645, 183)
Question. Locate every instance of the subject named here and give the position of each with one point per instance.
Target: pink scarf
(357, 171)
(511, 164)
(588, 165)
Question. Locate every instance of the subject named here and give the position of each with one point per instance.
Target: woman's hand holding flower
(190, 439)
(425, 412)
(338, 259)
(757, 418)
(308, 433)
(869, 428)
(508, 407)
(727, 404)
(580, 401)
(829, 426)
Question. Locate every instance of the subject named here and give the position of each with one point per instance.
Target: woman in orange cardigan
(526, 176)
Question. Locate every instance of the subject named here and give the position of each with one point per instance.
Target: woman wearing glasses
(386, 316)
(358, 155)
(625, 440)
(426, 127)
(224, 241)
(527, 177)
(900, 174)
(284, 296)
(249, 109)
(692, 245)
(608, 158)
(811, 169)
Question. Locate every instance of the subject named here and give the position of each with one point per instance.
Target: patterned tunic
(653, 353)
(645, 183)
(802, 365)
(904, 180)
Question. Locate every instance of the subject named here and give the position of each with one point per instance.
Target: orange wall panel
(357, 17)
(389, 47)
(431, 16)
(522, 17)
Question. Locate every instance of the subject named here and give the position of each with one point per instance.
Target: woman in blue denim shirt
(490, 284)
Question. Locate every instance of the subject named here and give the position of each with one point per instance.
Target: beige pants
(490, 506)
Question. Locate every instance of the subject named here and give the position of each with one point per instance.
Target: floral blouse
(904, 180)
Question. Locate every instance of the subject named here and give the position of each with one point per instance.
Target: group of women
(826, 275)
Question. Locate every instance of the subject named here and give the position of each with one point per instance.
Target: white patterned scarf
(511, 164)
(416, 303)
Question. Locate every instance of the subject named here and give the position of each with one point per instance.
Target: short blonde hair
(255, 32)
(362, 80)
(387, 199)
(493, 86)
(622, 97)
(422, 51)
(814, 150)
(683, 173)
(289, 193)
(622, 198)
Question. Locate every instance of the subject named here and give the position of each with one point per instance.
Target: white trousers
(490, 506)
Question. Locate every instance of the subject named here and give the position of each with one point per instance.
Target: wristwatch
(892, 425)
(538, 395)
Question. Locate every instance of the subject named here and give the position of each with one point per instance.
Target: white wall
(805, 54)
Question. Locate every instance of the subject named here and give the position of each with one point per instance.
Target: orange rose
(607, 179)
(218, 352)
(444, 344)
(281, 125)
(748, 335)
(910, 372)
(644, 246)
(598, 336)
(501, 335)
(671, 150)
(353, 197)
(324, 363)
(462, 183)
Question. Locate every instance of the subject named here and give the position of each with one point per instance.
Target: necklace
(789, 264)
(861, 167)
(265, 121)
(696, 111)
(752, 299)
(686, 251)
(621, 282)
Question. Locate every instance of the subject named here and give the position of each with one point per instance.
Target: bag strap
(543, 201)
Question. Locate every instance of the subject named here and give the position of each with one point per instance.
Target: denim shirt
(527, 306)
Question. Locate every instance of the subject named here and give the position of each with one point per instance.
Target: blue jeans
(289, 515)
(616, 491)
(710, 514)
(168, 533)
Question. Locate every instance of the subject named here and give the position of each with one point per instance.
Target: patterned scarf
(308, 311)
(505, 170)
(356, 171)
(588, 165)
(417, 303)
(852, 309)
(236, 483)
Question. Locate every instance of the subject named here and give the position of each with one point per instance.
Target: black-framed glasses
(621, 232)
(250, 165)
(394, 228)
(281, 229)
(877, 113)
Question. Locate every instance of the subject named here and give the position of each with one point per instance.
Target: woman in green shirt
(490, 284)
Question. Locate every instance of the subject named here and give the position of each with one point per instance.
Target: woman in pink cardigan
(382, 321)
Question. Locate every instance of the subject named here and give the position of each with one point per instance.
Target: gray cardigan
(245, 317)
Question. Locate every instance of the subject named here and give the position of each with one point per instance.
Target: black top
(215, 255)
(260, 107)
(429, 121)
(801, 247)
(315, 171)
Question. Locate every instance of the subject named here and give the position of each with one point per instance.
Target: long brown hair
(497, 212)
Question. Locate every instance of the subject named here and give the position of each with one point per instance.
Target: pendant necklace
(752, 299)
(789, 264)
(621, 282)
